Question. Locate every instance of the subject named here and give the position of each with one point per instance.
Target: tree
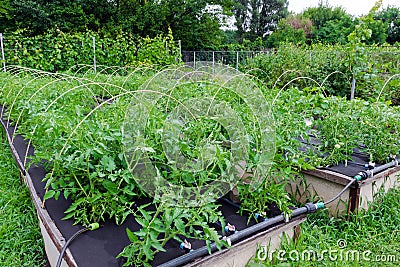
(258, 18)
(4, 8)
(334, 31)
(379, 32)
(39, 16)
(294, 29)
(391, 17)
(331, 25)
(323, 13)
(369, 30)
(191, 21)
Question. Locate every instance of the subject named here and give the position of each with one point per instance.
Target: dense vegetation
(375, 69)
(199, 25)
(196, 23)
(74, 123)
(328, 25)
(58, 51)
(74, 117)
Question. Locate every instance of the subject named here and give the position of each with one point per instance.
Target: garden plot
(140, 190)
(78, 168)
(340, 139)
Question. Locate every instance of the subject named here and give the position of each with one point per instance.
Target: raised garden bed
(324, 184)
(99, 173)
(100, 247)
(75, 123)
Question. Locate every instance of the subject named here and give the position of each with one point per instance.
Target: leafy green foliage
(82, 153)
(166, 223)
(4, 8)
(255, 18)
(331, 66)
(58, 51)
(192, 22)
(332, 25)
(391, 17)
(339, 125)
(316, 62)
(293, 29)
(74, 124)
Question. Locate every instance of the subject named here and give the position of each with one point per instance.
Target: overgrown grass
(21, 243)
(370, 238)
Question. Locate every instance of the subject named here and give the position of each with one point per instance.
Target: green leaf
(145, 214)
(147, 249)
(132, 237)
(68, 216)
(108, 163)
(111, 187)
(158, 246)
(142, 222)
(180, 225)
(49, 194)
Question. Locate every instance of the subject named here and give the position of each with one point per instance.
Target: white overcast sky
(353, 7)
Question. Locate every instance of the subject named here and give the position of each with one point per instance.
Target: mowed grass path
(21, 242)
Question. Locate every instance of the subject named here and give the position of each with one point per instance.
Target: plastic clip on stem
(186, 246)
(230, 229)
(91, 227)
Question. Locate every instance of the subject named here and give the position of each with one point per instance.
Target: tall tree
(191, 21)
(5, 11)
(391, 17)
(258, 18)
(331, 25)
(294, 29)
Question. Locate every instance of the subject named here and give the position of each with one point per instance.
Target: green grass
(367, 237)
(21, 243)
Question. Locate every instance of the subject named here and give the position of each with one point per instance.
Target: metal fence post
(213, 57)
(237, 60)
(353, 88)
(2, 52)
(94, 54)
(194, 59)
(353, 81)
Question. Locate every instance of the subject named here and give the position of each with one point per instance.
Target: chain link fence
(231, 58)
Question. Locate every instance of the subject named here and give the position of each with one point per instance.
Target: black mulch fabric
(354, 166)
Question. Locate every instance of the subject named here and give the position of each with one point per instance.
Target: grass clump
(21, 242)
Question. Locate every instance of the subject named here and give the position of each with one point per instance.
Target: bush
(58, 51)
